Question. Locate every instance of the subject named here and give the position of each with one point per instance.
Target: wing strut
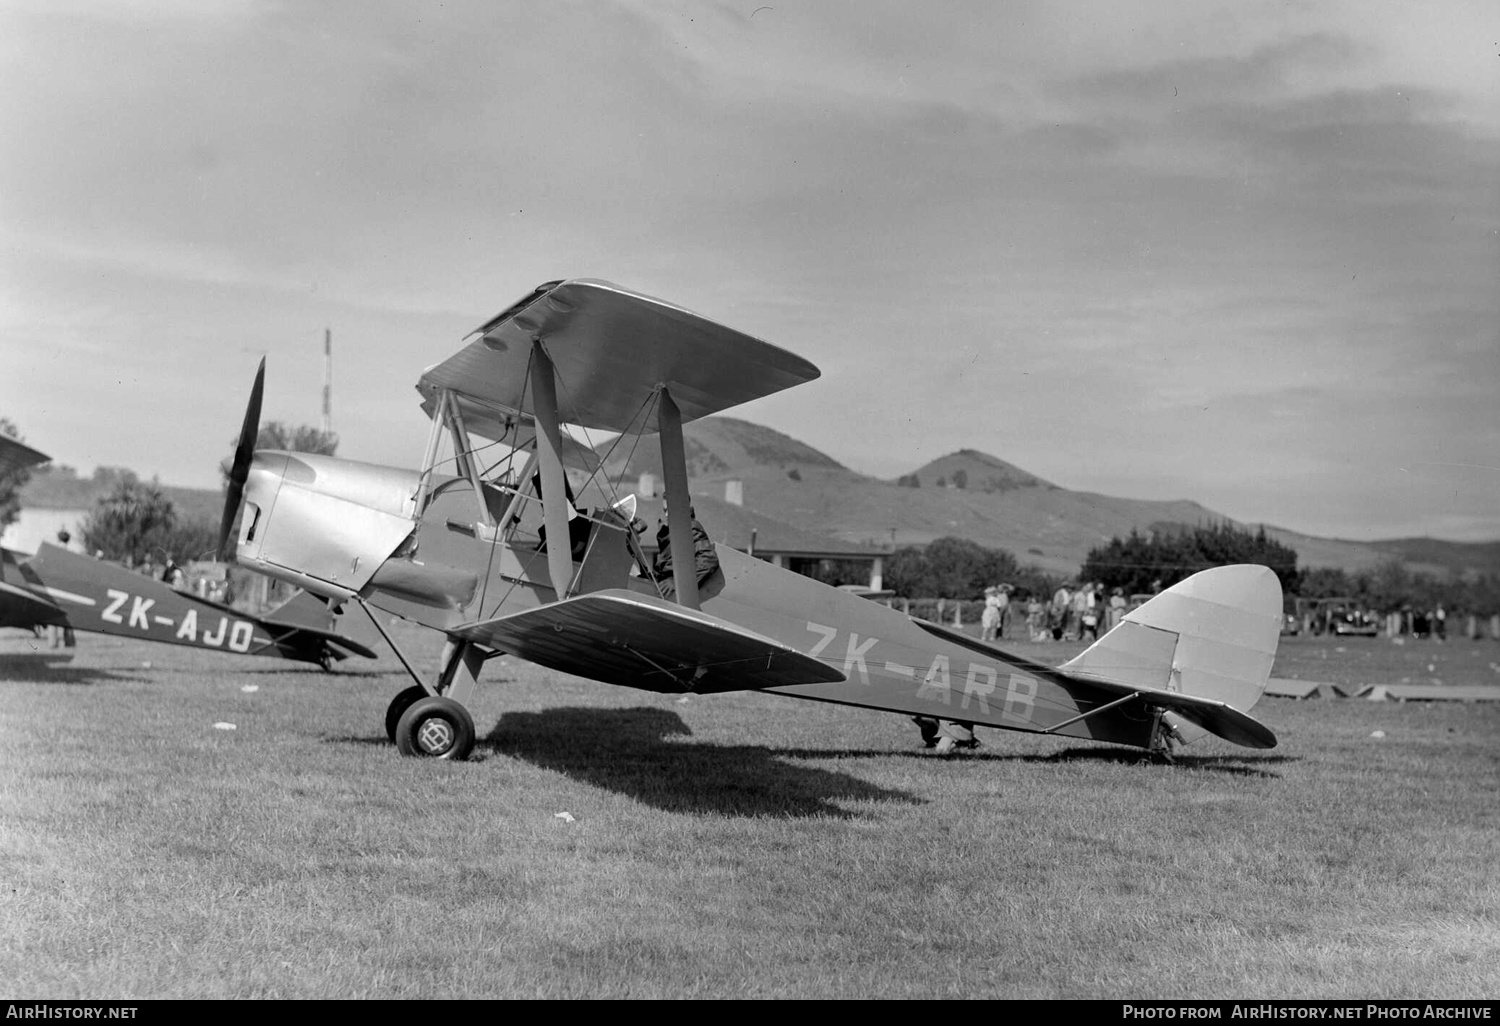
(429, 458)
(467, 464)
(1092, 712)
(679, 503)
(554, 479)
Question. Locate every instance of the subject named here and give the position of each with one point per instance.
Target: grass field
(733, 846)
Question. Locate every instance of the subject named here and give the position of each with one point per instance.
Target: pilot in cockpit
(579, 524)
(705, 558)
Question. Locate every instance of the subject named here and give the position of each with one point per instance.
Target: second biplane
(55, 587)
(464, 551)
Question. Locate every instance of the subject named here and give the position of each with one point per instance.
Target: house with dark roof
(728, 522)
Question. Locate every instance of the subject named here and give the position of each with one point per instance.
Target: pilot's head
(692, 511)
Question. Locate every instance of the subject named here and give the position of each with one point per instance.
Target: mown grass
(734, 846)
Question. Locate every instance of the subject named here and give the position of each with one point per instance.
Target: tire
(436, 728)
(399, 705)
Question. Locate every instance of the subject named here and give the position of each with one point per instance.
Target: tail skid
(1210, 639)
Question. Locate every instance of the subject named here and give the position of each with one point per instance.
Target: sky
(1239, 252)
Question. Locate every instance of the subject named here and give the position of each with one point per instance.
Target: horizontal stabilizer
(290, 633)
(306, 613)
(16, 455)
(1213, 716)
(637, 641)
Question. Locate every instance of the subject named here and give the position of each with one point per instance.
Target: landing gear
(1164, 734)
(399, 705)
(436, 728)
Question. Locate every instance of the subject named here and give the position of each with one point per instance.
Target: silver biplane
(498, 555)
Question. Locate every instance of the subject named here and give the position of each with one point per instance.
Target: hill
(980, 497)
(969, 494)
(1445, 556)
(719, 447)
(973, 471)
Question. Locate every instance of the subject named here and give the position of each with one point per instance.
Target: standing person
(1089, 619)
(989, 620)
(1062, 603)
(1079, 610)
(1005, 614)
(61, 635)
(1440, 623)
(1116, 608)
(1034, 619)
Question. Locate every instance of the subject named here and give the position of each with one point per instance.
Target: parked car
(1355, 623)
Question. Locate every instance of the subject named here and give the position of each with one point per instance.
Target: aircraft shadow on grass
(319, 676)
(1235, 765)
(632, 752)
(45, 668)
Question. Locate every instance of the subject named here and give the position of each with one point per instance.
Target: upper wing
(611, 348)
(14, 455)
(619, 637)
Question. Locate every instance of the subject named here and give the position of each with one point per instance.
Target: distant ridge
(982, 497)
(999, 504)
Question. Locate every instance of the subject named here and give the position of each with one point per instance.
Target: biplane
(58, 588)
(471, 544)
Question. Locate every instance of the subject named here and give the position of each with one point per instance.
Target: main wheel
(399, 705)
(437, 728)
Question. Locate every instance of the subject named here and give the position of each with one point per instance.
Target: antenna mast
(327, 381)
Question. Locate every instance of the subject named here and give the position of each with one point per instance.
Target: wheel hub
(435, 736)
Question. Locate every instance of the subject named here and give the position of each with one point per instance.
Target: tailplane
(303, 609)
(307, 618)
(1212, 636)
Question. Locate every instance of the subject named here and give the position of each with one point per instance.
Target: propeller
(244, 452)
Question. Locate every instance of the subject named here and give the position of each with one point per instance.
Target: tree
(287, 437)
(132, 523)
(295, 438)
(960, 479)
(1162, 558)
(11, 483)
(906, 572)
(949, 568)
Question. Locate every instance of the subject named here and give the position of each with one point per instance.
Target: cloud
(994, 226)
